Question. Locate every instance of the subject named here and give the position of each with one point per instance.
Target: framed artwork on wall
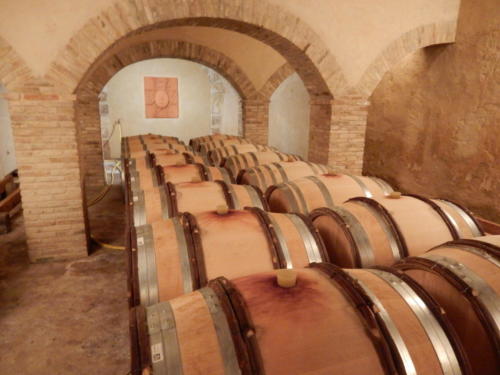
(161, 97)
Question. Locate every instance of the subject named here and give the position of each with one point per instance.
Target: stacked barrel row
(228, 280)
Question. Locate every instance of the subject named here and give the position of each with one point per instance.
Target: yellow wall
(289, 117)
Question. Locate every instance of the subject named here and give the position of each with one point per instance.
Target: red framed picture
(162, 97)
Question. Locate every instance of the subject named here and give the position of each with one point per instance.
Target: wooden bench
(10, 201)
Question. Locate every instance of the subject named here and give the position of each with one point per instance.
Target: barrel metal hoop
(485, 294)
(196, 256)
(188, 158)
(442, 346)
(270, 171)
(240, 326)
(366, 256)
(139, 208)
(157, 175)
(135, 181)
(184, 241)
(289, 195)
(313, 251)
(225, 175)
(447, 219)
(282, 241)
(254, 159)
(384, 186)
(275, 250)
(389, 225)
(164, 202)
(365, 306)
(230, 196)
(164, 344)
(146, 264)
(323, 189)
(282, 172)
(366, 192)
(298, 193)
(221, 327)
(474, 226)
(392, 330)
(204, 172)
(254, 196)
(171, 193)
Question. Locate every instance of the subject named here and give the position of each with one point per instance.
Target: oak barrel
(267, 175)
(169, 200)
(364, 232)
(236, 163)
(218, 155)
(152, 147)
(179, 255)
(464, 278)
(205, 147)
(195, 142)
(308, 193)
(331, 322)
(146, 159)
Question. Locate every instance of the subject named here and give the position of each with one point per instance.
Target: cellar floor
(66, 318)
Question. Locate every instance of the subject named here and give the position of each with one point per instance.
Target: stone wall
(434, 121)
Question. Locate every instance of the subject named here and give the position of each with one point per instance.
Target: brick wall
(256, 119)
(347, 132)
(48, 162)
(89, 137)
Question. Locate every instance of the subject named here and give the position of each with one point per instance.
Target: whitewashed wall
(289, 117)
(7, 152)
(207, 103)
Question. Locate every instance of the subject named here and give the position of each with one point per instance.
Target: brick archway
(411, 41)
(13, 71)
(287, 34)
(87, 104)
(280, 75)
(259, 19)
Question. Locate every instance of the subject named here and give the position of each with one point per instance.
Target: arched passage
(87, 104)
(266, 22)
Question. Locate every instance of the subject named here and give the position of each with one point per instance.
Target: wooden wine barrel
(152, 147)
(165, 160)
(147, 179)
(236, 163)
(464, 278)
(195, 142)
(204, 148)
(179, 255)
(218, 155)
(364, 232)
(267, 175)
(145, 159)
(308, 193)
(331, 322)
(169, 200)
(144, 139)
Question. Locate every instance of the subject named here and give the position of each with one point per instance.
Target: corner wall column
(347, 134)
(45, 138)
(88, 120)
(256, 120)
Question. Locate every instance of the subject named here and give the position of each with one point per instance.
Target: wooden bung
(222, 209)
(286, 278)
(394, 195)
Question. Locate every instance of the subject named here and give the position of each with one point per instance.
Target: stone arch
(282, 73)
(13, 70)
(87, 104)
(96, 79)
(261, 20)
(420, 37)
